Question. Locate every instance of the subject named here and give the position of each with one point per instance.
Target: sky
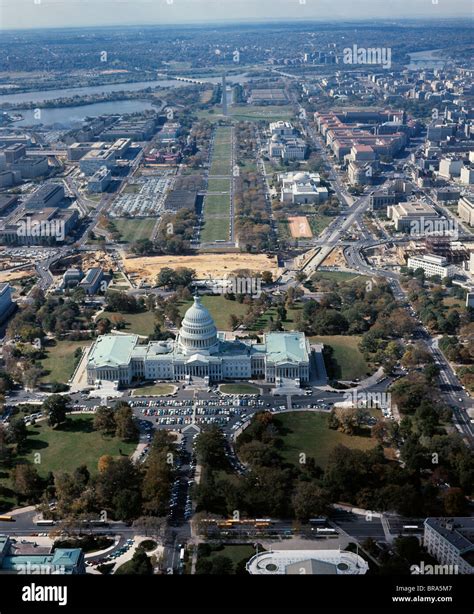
(18, 14)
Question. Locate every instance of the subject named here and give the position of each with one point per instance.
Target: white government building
(199, 351)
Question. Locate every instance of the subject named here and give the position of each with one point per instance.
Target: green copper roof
(112, 350)
(286, 347)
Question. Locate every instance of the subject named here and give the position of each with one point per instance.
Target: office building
(466, 209)
(95, 159)
(7, 201)
(48, 226)
(450, 167)
(8, 179)
(23, 558)
(77, 150)
(14, 152)
(451, 542)
(432, 265)
(413, 216)
(47, 195)
(467, 175)
(360, 173)
(31, 167)
(100, 180)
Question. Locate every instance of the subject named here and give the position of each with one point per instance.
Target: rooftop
(457, 531)
(112, 350)
(286, 347)
(284, 562)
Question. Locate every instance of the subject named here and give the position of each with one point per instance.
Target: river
(68, 117)
(43, 95)
(421, 60)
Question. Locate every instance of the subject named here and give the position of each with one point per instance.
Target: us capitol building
(199, 351)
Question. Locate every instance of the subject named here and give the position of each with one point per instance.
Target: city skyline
(43, 14)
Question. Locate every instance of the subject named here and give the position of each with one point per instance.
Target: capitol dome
(198, 332)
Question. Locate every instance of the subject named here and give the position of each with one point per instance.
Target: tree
(6, 382)
(221, 565)
(55, 408)
(104, 420)
(5, 451)
(152, 526)
(408, 548)
(17, 433)
(210, 447)
(139, 565)
(125, 426)
(118, 488)
(380, 431)
(26, 481)
(309, 500)
(233, 321)
(104, 462)
(454, 502)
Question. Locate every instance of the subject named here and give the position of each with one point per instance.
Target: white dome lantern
(198, 332)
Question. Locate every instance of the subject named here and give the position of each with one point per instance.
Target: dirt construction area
(214, 266)
(335, 258)
(300, 228)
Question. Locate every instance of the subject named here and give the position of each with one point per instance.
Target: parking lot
(147, 201)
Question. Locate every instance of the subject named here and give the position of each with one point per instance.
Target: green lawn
(215, 229)
(348, 362)
(258, 113)
(218, 185)
(308, 433)
(74, 444)
(216, 205)
(319, 222)
(249, 113)
(140, 323)
(336, 276)
(239, 389)
(64, 449)
(248, 166)
(132, 230)
(220, 308)
(220, 165)
(60, 362)
(263, 322)
(155, 390)
(222, 150)
(284, 230)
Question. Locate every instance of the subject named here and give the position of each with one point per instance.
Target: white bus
(45, 523)
(325, 530)
(409, 528)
